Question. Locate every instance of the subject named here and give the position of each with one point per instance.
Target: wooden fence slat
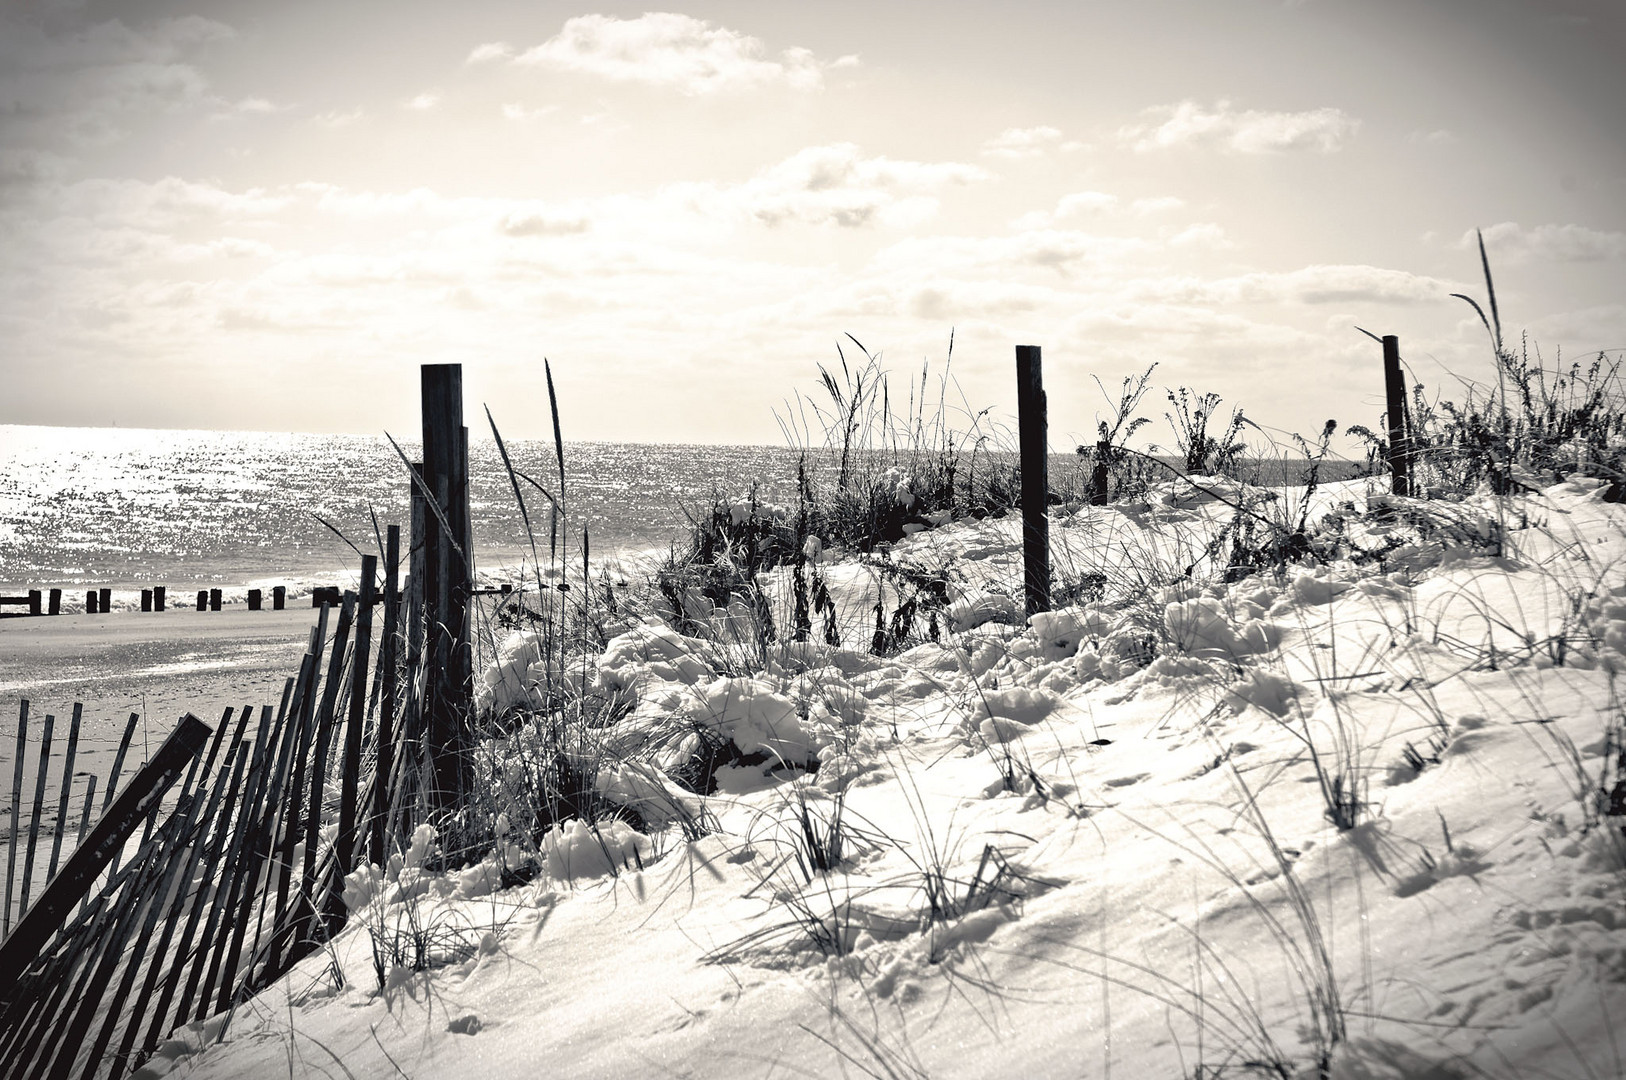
(293, 824)
(16, 807)
(34, 822)
(255, 869)
(115, 1012)
(90, 806)
(384, 733)
(214, 934)
(118, 760)
(214, 845)
(67, 790)
(87, 999)
(178, 907)
(344, 842)
(322, 737)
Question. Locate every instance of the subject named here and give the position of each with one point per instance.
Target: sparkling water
(127, 509)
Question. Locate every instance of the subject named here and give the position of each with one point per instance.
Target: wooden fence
(213, 870)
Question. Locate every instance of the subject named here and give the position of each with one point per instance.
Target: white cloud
(672, 50)
(491, 50)
(426, 100)
(335, 119)
(837, 185)
(514, 110)
(1248, 131)
(1022, 142)
(1204, 234)
(1552, 243)
(1321, 284)
(1094, 204)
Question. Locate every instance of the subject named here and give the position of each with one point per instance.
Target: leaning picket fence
(242, 835)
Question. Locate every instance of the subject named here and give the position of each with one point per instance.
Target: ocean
(127, 509)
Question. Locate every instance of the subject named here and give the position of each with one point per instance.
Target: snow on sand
(1100, 844)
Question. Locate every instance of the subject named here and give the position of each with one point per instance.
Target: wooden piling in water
(1033, 424)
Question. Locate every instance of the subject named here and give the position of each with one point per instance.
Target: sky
(265, 217)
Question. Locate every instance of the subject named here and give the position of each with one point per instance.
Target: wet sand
(159, 666)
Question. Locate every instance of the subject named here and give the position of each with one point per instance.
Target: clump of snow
(574, 849)
(754, 717)
(654, 650)
(974, 609)
(507, 683)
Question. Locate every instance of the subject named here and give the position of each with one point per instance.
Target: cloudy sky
(265, 216)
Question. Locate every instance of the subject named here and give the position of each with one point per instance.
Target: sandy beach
(158, 665)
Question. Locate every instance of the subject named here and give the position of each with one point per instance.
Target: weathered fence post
(1394, 383)
(203, 599)
(1032, 425)
(104, 600)
(279, 597)
(55, 602)
(146, 599)
(254, 596)
(214, 599)
(34, 598)
(449, 580)
(90, 601)
(158, 598)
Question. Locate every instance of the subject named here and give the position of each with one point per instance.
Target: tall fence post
(1033, 425)
(449, 567)
(1394, 384)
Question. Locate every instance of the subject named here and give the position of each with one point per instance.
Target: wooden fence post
(90, 601)
(34, 598)
(203, 599)
(104, 600)
(146, 599)
(214, 599)
(158, 598)
(449, 567)
(254, 597)
(1032, 425)
(279, 597)
(55, 602)
(1394, 384)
